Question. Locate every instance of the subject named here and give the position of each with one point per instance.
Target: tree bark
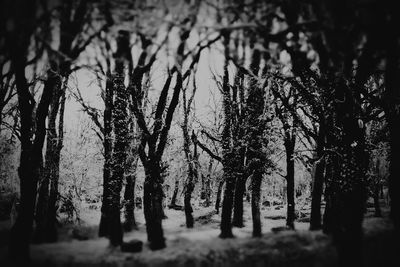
(152, 204)
(191, 162)
(346, 190)
(31, 157)
(316, 195)
(256, 158)
(108, 149)
(392, 85)
(174, 194)
(121, 130)
(255, 202)
(218, 196)
(289, 145)
(227, 158)
(129, 198)
(378, 212)
(240, 187)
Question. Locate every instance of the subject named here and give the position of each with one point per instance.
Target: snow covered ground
(201, 246)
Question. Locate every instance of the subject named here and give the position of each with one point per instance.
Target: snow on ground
(201, 246)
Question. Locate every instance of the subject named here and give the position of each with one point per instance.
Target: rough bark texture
(255, 155)
(23, 13)
(227, 158)
(121, 129)
(174, 194)
(152, 203)
(206, 187)
(289, 147)
(191, 159)
(51, 235)
(255, 202)
(218, 196)
(31, 158)
(108, 148)
(70, 27)
(240, 188)
(129, 197)
(318, 179)
(392, 84)
(346, 190)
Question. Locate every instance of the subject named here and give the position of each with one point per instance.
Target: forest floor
(201, 246)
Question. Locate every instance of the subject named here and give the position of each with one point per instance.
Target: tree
(255, 149)
(72, 17)
(191, 157)
(121, 131)
(289, 133)
(227, 155)
(33, 130)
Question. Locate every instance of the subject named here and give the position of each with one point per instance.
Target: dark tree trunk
(152, 204)
(378, 212)
(191, 159)
(392, 85)
(240, 187)
(227, 158)
(129, 198)
(108, 148)
(207, 185)
(174, 194)
(115, 116)
(227, 203)
(255, 202)
(42, 209)
(52, 235)
(315, 217)
(121, 129)
(31, 155)
(46, 217)
(188, 205)
(346, 191)
(256, 158)
(289, 145)
(218, 197)
(130, 174)
(394, 168)
(47, 227)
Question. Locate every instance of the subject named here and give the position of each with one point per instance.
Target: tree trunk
(218, 197)
(191, 165)
(129, 198)
(108, 148)
(121, 129)
(346, 186)
(394, 169)
(227, 203)
(31, 155)
(207, 201)
(52, 214)
(378, 212)
(188, 205)
(175, 194)
(256, 158)
(392, 85)
(289, 145)
(315, 217)
(152, 205)
(255, 202)
(42, 208)
(227, 161)
(240, 187)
